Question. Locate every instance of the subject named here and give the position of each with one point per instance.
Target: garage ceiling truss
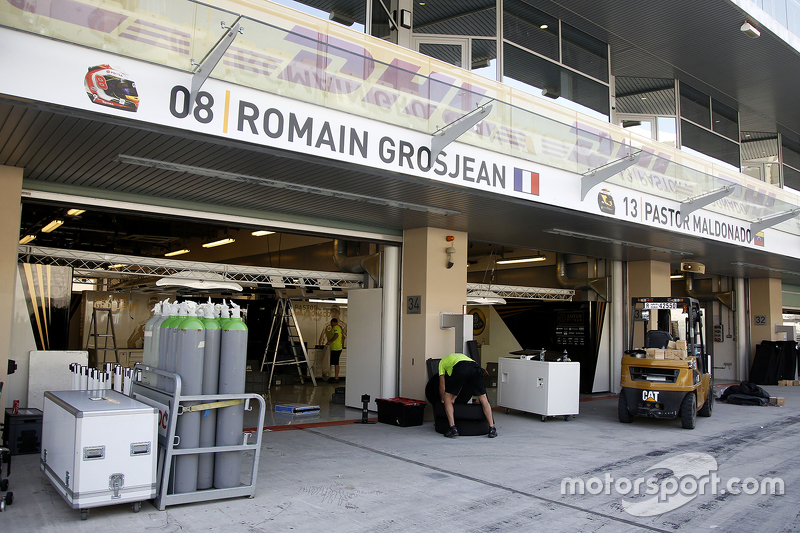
(526, 293)
(87, 266)
(99, 265)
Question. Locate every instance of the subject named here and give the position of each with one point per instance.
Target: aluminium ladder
(285, 319)
(93, 334)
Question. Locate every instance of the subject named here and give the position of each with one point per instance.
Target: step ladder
(109, 334)
(284, 322)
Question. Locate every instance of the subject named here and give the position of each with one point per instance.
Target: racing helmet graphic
(605, 201)
(111, 87)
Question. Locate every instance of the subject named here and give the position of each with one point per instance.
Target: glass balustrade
(288, 53)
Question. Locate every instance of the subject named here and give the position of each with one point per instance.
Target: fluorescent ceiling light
(333, 301)
(199, 280)
(218, 243)
(51, 226)
(762, 267)
(750, 30)
(481, 297)
(598, 238)
(341, 18)
(176, 252)
(26, 239)
(76, 212)
(521, 260)
(261, 233)
(254, 180)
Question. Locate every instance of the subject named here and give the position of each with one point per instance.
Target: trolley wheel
(4, 484)
(137, 506)
(508, 410)
(84, 514)
(544, 418)
(566, 418)
(9, 498)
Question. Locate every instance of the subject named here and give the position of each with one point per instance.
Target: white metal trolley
(169, 403)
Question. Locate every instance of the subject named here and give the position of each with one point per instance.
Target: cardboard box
(680, 345)
(777, 400)
(675, 354)
(783, 383)
(657, 353)
(671, 345)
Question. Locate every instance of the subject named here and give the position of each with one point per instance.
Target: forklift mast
(641, 307)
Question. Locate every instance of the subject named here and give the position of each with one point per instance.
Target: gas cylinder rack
(170, 402)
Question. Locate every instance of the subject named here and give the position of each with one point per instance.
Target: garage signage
(244, 114)
(414, 305)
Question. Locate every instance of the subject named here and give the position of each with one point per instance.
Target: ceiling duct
(725, 298)
(371, 264)
(599, 285)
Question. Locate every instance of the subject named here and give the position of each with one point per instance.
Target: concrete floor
(379, 478)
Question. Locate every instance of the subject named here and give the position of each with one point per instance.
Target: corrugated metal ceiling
(77, 154)
(59, 148)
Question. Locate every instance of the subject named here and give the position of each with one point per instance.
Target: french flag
(526, 181)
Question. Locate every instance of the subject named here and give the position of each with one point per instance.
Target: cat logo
(650, 395)
(605, 201)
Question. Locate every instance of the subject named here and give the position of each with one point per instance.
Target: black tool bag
(745, 394)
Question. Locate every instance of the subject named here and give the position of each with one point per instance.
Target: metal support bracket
(392, 23)
(462, 324)
(766, 222)
(701, 200)
(789, 330)
(206, 65)
(444, 136)
(205, 406)
(601, 174)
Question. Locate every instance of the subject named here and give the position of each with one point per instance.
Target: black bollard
(364, 411)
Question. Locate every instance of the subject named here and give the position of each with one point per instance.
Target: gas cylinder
(208, 419)
(165, 329)
(190, 347)
(230, 420)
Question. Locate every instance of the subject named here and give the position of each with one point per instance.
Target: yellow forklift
(663, 380)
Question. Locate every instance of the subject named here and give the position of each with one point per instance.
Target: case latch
(115, 483)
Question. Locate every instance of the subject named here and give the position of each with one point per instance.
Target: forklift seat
(655, 338)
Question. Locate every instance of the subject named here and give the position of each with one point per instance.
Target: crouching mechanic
(457, 371)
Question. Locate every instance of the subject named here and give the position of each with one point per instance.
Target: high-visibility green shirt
(446, 364)
(336, 344)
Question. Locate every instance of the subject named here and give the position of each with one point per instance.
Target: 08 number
(202, 108)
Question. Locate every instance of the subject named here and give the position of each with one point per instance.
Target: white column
(617, 324)
(742, 332)
(390, 353)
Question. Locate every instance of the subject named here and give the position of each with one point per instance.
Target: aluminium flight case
(99, 447)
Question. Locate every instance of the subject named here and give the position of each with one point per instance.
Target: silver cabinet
(541, 387)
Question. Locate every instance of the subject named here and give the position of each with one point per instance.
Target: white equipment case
(99, 447)
(546, 388)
